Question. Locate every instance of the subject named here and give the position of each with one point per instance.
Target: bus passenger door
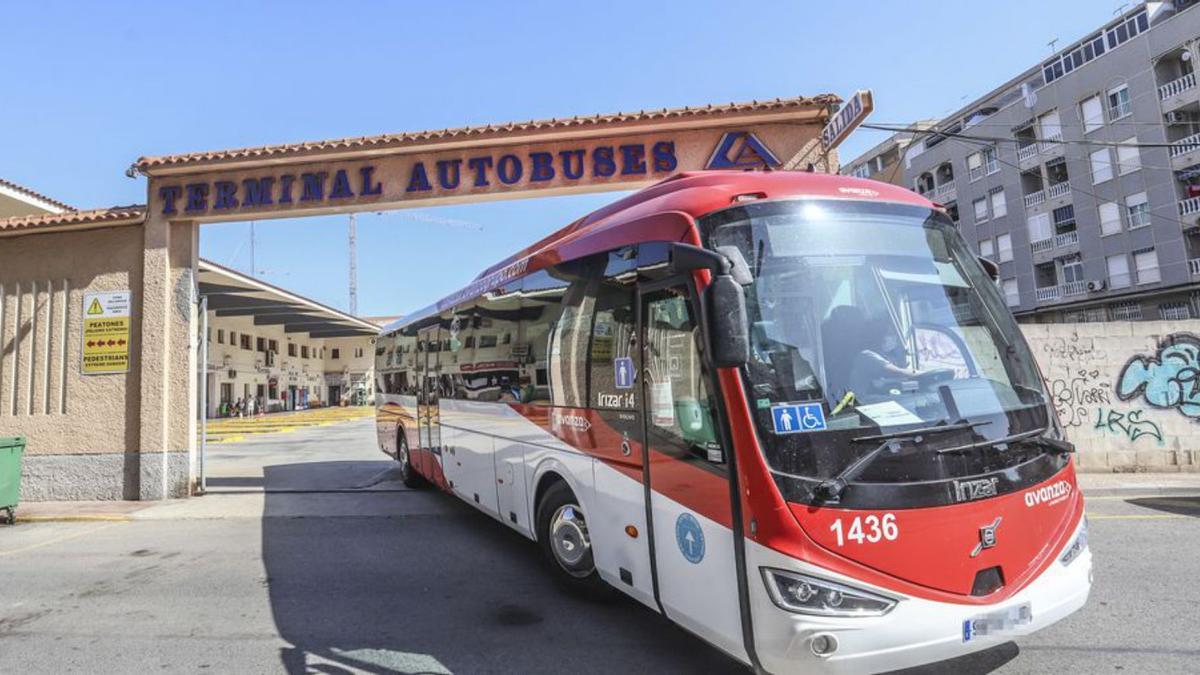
(428, 429)
(688, 480)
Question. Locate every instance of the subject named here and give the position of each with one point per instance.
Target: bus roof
(693, 194)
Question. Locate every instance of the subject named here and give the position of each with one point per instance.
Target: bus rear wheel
(408, 474)
(566, 544)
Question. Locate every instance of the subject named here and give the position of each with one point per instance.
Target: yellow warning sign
(106, 333)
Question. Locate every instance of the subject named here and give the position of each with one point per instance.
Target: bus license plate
(997, 623)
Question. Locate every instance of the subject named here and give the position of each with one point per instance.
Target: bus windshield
(879, 315)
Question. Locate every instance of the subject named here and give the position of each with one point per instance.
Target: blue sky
(91, 87)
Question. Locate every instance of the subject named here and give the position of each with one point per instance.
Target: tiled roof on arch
(484, 131)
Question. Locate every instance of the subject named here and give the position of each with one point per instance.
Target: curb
(97, 518)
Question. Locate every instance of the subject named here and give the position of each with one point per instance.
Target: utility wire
(998, 139)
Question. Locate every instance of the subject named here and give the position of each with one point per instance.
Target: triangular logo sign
(742, 150)
(95, 307)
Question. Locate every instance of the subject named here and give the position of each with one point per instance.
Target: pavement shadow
(404, 581)
(1180, 506)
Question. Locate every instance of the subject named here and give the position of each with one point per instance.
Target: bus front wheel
(566, 543)
(408, 474)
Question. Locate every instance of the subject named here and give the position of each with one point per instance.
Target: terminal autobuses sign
(105, 333)
(467, 174)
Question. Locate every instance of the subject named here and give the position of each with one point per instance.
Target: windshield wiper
(1052, 446)
(830, 489)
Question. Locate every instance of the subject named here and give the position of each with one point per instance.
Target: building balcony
(975, 173)
(1058, 190)
(1027, 154)
(1034, 198)
(946, 192)
(1047, 294)
(1066, 239)
(1042, 245)
(1171, 93)
(1185, 152)
(1194, 267)
(1073, 288)
(1189, 206)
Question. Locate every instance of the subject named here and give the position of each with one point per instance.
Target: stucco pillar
(166, 389)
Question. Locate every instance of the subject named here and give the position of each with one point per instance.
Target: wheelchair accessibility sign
(797, 419)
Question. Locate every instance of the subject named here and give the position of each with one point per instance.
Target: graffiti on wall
(1073, 350)
(1130, 424)
(1168, 379)
(1076, 393)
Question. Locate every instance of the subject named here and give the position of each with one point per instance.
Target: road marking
(57, 540)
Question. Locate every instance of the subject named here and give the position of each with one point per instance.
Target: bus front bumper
(914, 632)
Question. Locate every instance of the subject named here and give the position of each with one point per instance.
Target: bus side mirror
(729, 326)
(728, 323)
(990, 266)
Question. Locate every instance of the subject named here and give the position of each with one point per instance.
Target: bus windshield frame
(873, 318)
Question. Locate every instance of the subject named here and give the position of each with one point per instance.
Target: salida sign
(446, 175)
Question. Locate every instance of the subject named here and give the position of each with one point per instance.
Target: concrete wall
(1128, 393)
(83, 432)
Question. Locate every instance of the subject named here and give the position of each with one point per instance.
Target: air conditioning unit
(1095, 285)
(1178, 117)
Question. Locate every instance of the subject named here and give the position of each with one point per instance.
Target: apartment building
(884, 162)
(1081, 176)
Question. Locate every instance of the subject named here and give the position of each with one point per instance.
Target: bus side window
(680, 408)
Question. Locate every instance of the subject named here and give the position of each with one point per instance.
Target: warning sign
(105, 333)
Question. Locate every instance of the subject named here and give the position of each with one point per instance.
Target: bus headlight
(803, 594)
(1078, 544)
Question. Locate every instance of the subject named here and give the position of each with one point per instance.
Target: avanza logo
(1048, 494)
(562, 421)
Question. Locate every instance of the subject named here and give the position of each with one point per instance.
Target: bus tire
(408, 474)
(563, 535)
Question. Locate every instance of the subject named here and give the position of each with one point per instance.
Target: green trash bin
(11, 450)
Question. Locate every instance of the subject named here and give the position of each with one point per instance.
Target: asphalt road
(307, 559)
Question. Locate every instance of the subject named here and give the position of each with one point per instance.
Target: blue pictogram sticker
(623, 372)
(797, 419)
(690, 537)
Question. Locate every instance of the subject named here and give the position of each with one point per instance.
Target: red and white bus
(789, 411)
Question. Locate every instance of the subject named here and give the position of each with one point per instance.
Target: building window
(1118, 270)
(358, 352)
(1128, 159)
(1145, 266)
(1004, 247)
(1110, 219)
(260, 344)
(1137, 208)
(1092, 113)
(1126, 311)
(1174, 311)
(991, 163)
(1039, 228)
(1118, 103)
(232, 338)
(1072, 270)
(273, 346)
(1050, 126)
(981, 209)
(1064, 218)
(245, 341)
(304, 351)
(220, 336)
(987, 248)
(1101, 165)
(335, 353)
(292, 349)
(975, 166)
(999, 206)
(1012, 292)
(862, 171)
